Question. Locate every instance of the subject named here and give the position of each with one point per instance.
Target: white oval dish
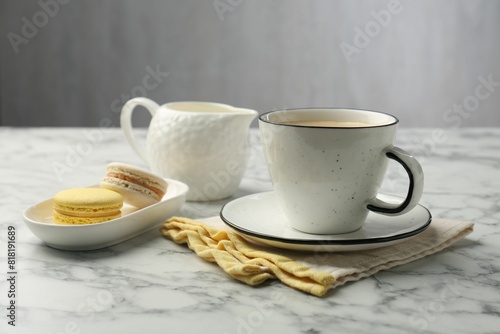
(133, 222)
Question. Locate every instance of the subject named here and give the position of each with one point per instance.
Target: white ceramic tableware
(327, 176)
(258, 217)
(202, 144)
(94, 236)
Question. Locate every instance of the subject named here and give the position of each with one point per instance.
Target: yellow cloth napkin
(314, 273)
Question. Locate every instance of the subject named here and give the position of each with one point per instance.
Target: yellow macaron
(78, 206)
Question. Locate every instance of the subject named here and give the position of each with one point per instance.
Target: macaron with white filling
(138, 186)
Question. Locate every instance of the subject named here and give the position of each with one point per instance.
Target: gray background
(87, 57)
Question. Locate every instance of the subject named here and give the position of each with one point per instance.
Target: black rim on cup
(265, 117)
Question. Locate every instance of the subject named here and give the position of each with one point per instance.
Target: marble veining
(149, 284)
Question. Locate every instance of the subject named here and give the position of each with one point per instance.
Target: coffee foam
(329, 124)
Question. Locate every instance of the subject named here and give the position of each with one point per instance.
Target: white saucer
(258, 217)
(94, 236)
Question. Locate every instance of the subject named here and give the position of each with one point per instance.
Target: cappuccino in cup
(329, 124)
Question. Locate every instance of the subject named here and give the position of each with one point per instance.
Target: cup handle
(126, 122)
(415, 189)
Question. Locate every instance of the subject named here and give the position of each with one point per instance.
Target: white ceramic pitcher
(202, 144)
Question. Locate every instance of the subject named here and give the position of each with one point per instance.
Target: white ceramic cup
(327, 179)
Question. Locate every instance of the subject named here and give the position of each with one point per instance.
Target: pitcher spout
(246, 116)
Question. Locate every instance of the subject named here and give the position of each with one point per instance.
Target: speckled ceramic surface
(325, 178)
(260, 218)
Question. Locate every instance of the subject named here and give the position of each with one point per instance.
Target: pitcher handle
(126, 122)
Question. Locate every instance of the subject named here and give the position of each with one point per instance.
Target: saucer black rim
(326, 242)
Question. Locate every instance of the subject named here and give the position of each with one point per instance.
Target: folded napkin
(314, 273)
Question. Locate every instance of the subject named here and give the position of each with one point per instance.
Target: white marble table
(151, 285)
